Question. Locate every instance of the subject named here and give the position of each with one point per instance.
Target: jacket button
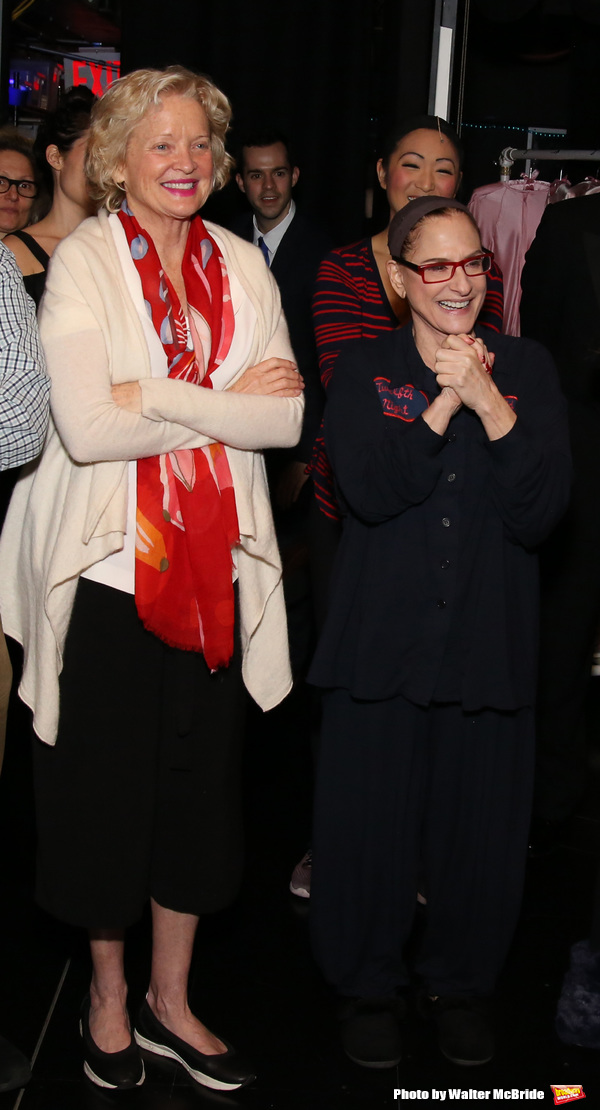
(451, 477)
(445, 563)
(441, 603)
(446, 521)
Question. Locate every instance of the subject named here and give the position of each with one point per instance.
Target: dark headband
(406, 218)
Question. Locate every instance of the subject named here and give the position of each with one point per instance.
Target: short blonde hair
(124, 106)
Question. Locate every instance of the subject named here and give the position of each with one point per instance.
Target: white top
(69, 508)
(118, 569)
(273, 237)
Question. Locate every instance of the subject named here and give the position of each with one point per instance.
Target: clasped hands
(462, 367)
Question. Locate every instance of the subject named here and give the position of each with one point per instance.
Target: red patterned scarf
(186, 515)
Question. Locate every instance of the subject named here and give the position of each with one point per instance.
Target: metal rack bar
(510, 155)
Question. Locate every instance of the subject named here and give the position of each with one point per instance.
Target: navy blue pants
(407, 795)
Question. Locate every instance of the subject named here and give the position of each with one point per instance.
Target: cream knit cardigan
(69, 509)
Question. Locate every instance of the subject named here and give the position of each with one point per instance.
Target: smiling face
(168, 170)
(452, 306)
(423, 164)
(267, 180)
(15, 210)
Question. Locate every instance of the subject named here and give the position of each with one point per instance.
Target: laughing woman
(140, 568)
(449, 448)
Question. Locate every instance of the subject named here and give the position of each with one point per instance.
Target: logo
(566, 1094)
(404, 402)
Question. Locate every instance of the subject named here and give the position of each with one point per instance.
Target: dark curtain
(329, 73)
(302, 66)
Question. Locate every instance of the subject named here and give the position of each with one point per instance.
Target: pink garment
(563, 190)
(508, 213)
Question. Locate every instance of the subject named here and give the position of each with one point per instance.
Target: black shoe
(117, 1071)
(15, 1071)
(370, 1031)
(225, 1071)
(464, 1029)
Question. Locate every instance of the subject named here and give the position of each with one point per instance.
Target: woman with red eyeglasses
(450, 452)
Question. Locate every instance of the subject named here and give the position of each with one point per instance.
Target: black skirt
(141, 794)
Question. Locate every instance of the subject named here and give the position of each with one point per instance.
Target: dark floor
(254, 981)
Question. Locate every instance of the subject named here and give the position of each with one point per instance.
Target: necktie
(264, 248)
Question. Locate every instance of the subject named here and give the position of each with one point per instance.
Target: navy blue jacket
(435, 593)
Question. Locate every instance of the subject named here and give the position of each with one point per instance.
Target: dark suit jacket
(561, 308)
(295, 268)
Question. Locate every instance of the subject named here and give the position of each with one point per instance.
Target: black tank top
(34, 283)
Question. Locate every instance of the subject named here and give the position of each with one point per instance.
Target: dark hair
(11, 139)
(412, 237)
(63, 128)
(263, 136)
(419, 123)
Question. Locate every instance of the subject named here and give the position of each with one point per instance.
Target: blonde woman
(139, 564)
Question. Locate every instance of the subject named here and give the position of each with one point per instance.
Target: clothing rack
(510, 155)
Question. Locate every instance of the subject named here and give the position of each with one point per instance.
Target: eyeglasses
(433, 273)
(24, 187)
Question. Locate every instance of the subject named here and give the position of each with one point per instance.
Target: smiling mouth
(180, 186)
(454, 305)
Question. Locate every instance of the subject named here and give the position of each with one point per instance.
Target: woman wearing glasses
(18, 181)
(59, 148)
(449, 448)
(354, 298)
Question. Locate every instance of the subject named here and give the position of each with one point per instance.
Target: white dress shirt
(273, 238)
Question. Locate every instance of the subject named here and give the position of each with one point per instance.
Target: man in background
(293, 247)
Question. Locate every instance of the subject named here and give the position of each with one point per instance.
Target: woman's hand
(460, 363)
(464, 364)
(275, 377)
(128, 396)
(441, 410)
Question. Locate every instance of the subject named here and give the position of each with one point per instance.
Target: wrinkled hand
(450, 398)
(128, 396)
(289, 486)
(441, 410)
(464, 364)
(275, 377)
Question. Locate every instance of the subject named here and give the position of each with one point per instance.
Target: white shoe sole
(171, 1054)
(102, 1082)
